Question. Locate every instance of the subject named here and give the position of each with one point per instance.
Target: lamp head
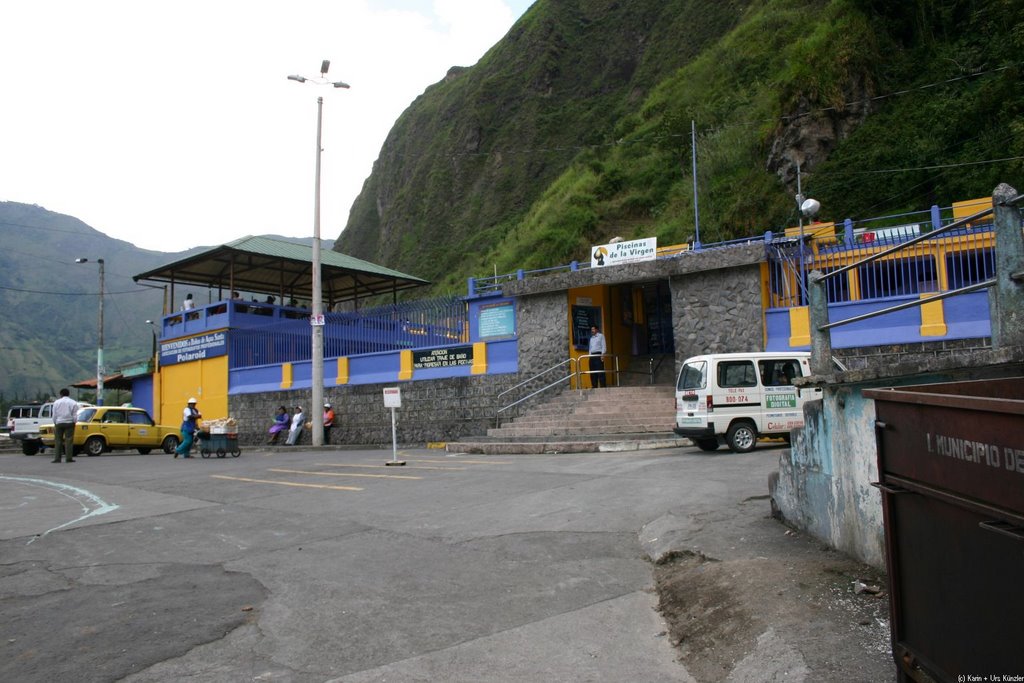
(324, 66)
(341, 84)
(294, 77)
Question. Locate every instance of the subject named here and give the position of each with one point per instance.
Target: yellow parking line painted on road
(287, 483)
(335, 464)
(345, 474)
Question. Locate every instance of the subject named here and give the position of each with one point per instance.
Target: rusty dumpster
(951, 472)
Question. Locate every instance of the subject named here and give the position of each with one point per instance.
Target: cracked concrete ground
(328, 566)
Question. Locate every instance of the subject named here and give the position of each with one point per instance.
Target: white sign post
(393, 399)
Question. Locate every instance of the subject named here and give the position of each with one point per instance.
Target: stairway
(610, 419)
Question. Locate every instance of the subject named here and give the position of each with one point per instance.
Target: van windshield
(693, 376)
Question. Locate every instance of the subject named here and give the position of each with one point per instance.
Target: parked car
(100, 429)
(24, 421)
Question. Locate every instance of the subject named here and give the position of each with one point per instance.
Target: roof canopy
(268, 266)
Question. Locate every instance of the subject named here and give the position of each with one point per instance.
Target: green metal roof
(283, 269)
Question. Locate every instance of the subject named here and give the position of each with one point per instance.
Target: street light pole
(99, 348)
(316, 319)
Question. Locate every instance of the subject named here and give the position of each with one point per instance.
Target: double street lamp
(99, 348)
(317, 319)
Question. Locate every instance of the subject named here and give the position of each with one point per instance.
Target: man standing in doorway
(65, 411)
(597, 349)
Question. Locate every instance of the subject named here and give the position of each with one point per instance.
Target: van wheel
(707, 444)
(741, 437)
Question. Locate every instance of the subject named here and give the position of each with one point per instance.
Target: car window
(736, 373)
(693, 376)
(139, 418)
(86, 415)
(113, 417)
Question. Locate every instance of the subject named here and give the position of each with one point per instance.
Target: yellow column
(405, 365)
(479, 358)
(286, 375)
(342, 370)
(933, 319)
(799, 327)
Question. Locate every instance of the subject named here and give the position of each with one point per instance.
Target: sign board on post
(393, 399)
(316, 320)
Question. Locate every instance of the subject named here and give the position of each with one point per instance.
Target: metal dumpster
(951, 470)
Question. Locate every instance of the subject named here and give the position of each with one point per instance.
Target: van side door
(783, 410)
(737, 393)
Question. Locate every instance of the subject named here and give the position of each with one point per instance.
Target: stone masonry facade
(716, 306)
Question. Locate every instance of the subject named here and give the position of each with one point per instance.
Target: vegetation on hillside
(576, 127)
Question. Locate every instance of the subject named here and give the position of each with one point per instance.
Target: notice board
(583, 318)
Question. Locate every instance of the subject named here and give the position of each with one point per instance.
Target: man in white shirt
(597, 346)
(65, 412)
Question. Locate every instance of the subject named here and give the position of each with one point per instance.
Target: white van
(738, 397)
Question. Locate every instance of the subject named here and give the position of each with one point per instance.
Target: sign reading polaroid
(193, 348)
(619, 253)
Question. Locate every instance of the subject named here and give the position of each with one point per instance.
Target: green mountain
(50, 304)
(576, 127)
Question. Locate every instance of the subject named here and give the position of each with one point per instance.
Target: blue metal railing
(415, 324)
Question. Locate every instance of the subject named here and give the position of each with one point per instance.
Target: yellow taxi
(100, 429)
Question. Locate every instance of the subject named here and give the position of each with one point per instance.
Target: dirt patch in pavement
(792, 615)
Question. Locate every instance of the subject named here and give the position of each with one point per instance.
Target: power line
(105, 292)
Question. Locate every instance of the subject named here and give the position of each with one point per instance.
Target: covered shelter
(283, 269)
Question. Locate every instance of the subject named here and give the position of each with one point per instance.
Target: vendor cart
(220, 444)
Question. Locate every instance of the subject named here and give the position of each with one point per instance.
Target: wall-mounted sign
(583, 317)
(317, 320)
(193, 348)
(442, 358)
(497, 320)
(618, 253)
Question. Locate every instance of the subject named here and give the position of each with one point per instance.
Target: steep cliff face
(577, 127)
(469, 156)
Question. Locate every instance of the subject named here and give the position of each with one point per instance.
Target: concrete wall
(823, 486)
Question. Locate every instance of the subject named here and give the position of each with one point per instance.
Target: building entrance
(647, 310)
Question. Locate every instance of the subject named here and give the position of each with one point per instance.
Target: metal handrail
(573, 372)
(580, 373)
(652, 368)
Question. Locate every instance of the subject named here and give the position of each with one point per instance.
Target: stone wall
(432, 410)
(717, 311)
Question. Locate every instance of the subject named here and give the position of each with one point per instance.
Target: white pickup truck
(26, 427)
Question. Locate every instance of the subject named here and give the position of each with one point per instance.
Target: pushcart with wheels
(219, 444)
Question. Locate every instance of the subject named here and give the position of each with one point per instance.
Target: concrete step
(575, 430)
(550, 446)
(667, 420)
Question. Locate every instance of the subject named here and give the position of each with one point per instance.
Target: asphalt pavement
(294, 565)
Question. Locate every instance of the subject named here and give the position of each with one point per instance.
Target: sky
(172, 125)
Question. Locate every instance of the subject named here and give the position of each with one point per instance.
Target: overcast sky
(172, 124)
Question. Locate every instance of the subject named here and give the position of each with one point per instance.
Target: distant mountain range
(50, 304)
